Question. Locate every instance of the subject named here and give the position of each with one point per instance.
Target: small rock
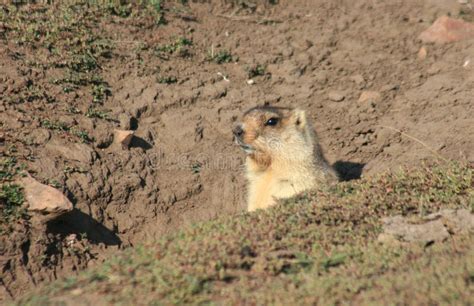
(336, 96)
(44, 199)
(383, 138)
(466, 63)
(422, 53)
(250, 82)
(400, 228)
(368, 96)
(123, 137)
(77, 291)
(71, 239)
(432, 228)
(125, 121)
(446, 30)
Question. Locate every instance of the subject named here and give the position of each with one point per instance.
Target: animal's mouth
(247, 148)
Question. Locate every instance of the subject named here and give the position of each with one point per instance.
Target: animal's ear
(299, 118)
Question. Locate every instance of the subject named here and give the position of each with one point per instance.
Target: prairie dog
(284, 157)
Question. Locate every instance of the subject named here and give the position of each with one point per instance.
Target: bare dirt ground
(180, 87)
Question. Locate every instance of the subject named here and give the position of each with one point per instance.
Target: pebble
(422, 53)
(123, 137)
(370, 96)
(336, 96)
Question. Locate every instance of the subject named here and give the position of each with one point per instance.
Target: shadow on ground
(77, 222)
(348, 170)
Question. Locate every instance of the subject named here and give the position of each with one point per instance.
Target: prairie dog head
(274, 132)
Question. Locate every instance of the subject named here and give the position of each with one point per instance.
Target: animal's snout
(238, 131)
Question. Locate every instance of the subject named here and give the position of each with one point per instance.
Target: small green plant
(179, 46)
(54, 183)
(256, 70)
(95, 113)
(118, 9)
(157, 9)
(85, 62)
(196, 167)
(63, 127)
(156, 4)
(11, 199)
(8, 168)
(73, 110)
(221, 57)
(99, 92)
(167, 80)
(70, 169)
(55, 125)
(83, 135)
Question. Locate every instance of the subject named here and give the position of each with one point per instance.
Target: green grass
(73, 43)
(65, 128)
(221, 57)
(11, 199)
(256, 70)
(318, 248)
(180, 47)
(11, 194)
(96, 113)
(167, 80)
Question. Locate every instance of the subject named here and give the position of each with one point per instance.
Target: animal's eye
(272, 122)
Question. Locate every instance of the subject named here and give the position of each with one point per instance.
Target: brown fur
(283, 156)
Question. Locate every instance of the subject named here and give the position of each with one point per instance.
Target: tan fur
(283, 159)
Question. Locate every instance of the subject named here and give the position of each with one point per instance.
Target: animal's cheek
(250, 137)
(261, 143)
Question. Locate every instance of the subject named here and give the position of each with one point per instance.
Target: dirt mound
(178, 76)
(319, 248)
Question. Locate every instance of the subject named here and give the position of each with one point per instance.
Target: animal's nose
(238, 131)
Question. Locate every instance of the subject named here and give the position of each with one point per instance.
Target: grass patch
(179, 47)
(96, 113)
(8, 168)
(221, 57)
(11, 199)
(319, 248)
(63, 127)
(256, 70)
(167, 80)
(11, 194)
